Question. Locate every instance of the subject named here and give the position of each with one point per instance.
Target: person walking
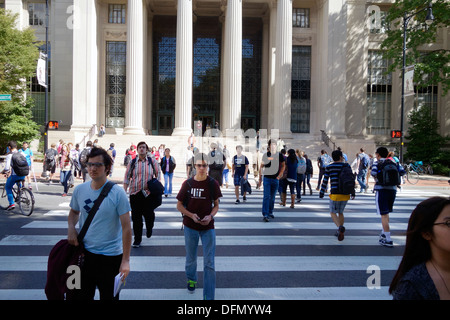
(363, 166)
(338, 196)
(83, 160)
(308, 175)
(239, 170)
(322, 162)
(28, 153)
(387, 175)
(107, 242)
(16, 169)
(65, 169)
(423, 273)
(168, 165)
(217, 163)
(272, 168)
(50, 159)
(198, 202)
(112, 153)
(291, 176)
(139, 171)
(301, 170)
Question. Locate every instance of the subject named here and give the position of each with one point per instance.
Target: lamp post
(428, 20)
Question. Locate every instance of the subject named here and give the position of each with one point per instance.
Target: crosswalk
(294, 256)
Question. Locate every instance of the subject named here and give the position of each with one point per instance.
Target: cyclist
(13, 164)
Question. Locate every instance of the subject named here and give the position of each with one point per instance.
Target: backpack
(301, 168)
(365, 161)
(325, 161)
(83, 157)
(50, 157)
(19, 164)
(346, 180)
(388, 173)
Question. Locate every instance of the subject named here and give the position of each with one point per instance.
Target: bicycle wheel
(25, 199)
(412, 177)
(3, 198)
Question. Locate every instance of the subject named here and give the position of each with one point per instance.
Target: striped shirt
(141, 173)
(332, 173)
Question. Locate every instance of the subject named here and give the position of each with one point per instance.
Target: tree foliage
(18, 57)
(432, 63)
(424, 141)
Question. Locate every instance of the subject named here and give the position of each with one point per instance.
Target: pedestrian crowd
(109, 239)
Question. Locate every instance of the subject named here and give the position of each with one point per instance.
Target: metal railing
(327, 140)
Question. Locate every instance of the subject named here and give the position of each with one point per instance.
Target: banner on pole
(409, 81)
(41, 70)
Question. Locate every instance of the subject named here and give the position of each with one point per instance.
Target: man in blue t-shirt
(239, 171)
(107, 242)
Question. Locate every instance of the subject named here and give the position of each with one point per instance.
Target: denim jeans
(361, 178)
(270, 191)
(168, 183)
(10, 182)
(64, 179)
(208, 237)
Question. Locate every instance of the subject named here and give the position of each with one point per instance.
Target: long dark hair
(291, 156)
(417, 249)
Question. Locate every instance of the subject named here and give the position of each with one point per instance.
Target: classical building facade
(160, 66)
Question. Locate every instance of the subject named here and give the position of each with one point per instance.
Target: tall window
(117, 13)
(379, 89)
(301, 89)
(427, 97)
(116, 63)
(300, 17)
(36, 13)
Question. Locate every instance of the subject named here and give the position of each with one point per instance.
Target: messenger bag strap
(93, 211)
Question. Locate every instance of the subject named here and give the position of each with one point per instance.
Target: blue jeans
(168, 183)
(64, 179)
(270, 191)
(10, 182)
(208, 237)
(361, 178)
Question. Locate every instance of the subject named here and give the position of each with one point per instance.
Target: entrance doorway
(207, 122)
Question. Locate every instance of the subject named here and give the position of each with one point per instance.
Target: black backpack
(388, 173)
(346, 180)
(19, 164)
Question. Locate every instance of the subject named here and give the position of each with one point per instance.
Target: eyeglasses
(201, 165)
(94, 164)
(447, 223)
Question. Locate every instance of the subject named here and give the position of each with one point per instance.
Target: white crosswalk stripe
(298, 246)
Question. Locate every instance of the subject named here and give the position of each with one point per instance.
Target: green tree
(18, 57)
(424, 141)
(431, 66)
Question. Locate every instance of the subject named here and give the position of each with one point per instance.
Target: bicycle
(411, 175)
(420, 168)
(22, 196)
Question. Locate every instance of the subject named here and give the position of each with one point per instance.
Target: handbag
(156, 189)
(63, 255)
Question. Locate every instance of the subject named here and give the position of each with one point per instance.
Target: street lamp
(428, 20)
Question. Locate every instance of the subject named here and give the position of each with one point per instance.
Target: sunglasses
(94, 164)
(201, 165)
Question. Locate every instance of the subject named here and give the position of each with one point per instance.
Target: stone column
(85, 67)
(135, 68)
(283, 67)
(232, 80)
(183, 84)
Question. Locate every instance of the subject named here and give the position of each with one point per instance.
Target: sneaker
(136, 244)
(11, 207)
(237, 201)
(383, 241)
(191, 286)
(266, 219)
(244, 198)
(340, 234)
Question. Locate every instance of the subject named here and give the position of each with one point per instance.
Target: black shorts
(385, 200)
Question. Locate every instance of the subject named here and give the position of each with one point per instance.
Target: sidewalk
(180, 176)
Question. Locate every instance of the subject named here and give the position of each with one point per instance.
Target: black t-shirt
(271, 164)
(200, 201)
